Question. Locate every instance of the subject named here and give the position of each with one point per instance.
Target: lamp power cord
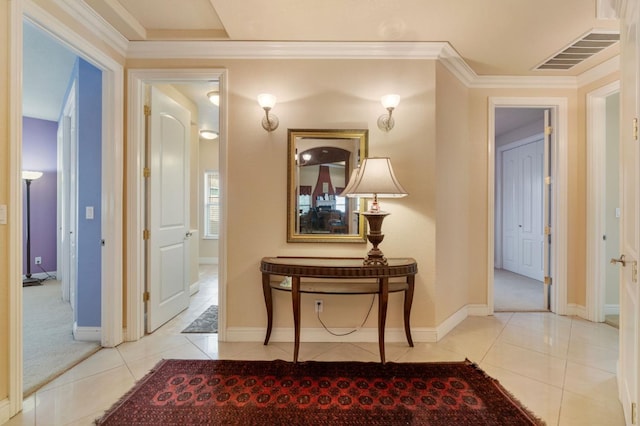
(373, 298)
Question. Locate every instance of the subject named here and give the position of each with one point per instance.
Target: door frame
(596, 178)
(559, 201)
(135, 246)
(112, 182)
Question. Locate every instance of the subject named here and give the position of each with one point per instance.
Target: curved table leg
(383, 299)
(408, 300)
(268, 301)
(295, 297)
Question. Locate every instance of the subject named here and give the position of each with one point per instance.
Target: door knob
(188, 234)
(621, 260)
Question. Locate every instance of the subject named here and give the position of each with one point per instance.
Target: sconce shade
(266, 100)
(214, 97)
(31, 175)
(208, 134)
(375, 178)
(269, 122)
(390, 101)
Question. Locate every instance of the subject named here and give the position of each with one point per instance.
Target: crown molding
(602, 70)
(284, 50)
(93, 22)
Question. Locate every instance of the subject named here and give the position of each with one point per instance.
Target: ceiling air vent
(580, 50)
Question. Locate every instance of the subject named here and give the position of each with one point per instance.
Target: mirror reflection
(320, 165)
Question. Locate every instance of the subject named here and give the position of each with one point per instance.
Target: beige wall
(459, 258)
(4, 199)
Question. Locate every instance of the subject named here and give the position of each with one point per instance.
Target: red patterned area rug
(207, 392)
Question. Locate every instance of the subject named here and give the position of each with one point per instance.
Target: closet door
(522, 192)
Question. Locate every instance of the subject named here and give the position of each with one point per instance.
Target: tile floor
(562, 368)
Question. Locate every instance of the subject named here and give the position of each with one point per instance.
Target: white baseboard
(4, 411)
(194, 288)
(369, 334)
(208, 260)
(577, 310)
(611, 309)
(87, 334)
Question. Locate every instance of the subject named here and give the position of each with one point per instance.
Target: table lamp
(374, 179)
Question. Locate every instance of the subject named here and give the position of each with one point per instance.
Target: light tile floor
(562, 368)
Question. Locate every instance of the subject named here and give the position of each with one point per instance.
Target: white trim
(577, 310)
(596, 214)
(138, 78)
(87, 334)
(559, 173)
(92, 21)
(194, 288)
(15, 209)
(442, 51)
(208, 260)
(611, 309)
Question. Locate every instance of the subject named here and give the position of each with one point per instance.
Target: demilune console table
(339, 268)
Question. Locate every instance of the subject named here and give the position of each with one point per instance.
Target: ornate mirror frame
(319, 165)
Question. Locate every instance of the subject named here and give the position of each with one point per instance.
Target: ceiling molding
(284, 50)
(600, 71)
(93, 22)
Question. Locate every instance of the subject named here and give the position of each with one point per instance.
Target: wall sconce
(386, 121)
(208, 134)
(214, 97)
(267, 102)
(374, 179)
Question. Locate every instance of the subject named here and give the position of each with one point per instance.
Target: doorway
(519, 207)
(110, 297)
(184, 82)
(603, 203)
(555, 267)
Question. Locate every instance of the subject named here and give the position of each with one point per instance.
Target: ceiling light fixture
(208, 134)
(214, 97)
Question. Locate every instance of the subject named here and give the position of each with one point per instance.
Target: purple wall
(39, 153)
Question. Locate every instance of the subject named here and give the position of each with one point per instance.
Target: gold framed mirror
(320, 163)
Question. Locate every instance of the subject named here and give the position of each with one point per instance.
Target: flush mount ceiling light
(208, 134)
(214, 97)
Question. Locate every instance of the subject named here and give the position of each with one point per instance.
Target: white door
(522, 245)
(67, 198)
(628, 379)
(168, 210)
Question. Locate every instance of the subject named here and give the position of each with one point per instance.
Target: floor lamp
(28, 177)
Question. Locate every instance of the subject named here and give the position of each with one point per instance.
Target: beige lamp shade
(375, 178)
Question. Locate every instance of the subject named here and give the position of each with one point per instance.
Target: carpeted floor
(48, 345)
(207, 322)
(317, 393)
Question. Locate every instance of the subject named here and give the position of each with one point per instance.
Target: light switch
(618, 212)
(89, 212)
(3, 214)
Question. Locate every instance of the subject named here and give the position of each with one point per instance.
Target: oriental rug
(207, 322)
(208, 392)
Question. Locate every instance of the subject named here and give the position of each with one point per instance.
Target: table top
(337, 267)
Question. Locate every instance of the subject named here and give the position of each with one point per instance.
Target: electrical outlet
(319, 305)
(38, 260)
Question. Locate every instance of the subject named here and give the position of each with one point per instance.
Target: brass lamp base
(375, 257)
